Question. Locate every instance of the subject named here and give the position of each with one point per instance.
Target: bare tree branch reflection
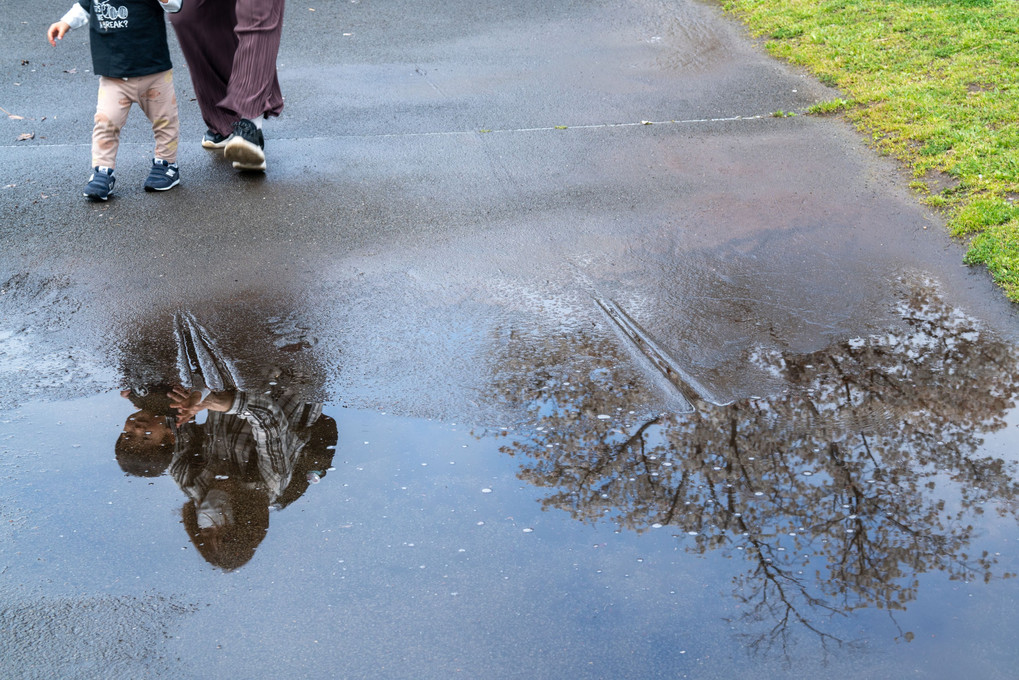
(839, 493)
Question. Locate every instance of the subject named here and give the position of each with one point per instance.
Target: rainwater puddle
(863, 519)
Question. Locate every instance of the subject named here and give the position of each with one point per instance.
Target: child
(130, 54)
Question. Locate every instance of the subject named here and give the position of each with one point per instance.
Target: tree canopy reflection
(866, 473)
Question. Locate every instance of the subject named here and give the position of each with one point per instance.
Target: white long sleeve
(171, 6)
(77, 17)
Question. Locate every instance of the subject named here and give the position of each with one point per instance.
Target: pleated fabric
(231, 48)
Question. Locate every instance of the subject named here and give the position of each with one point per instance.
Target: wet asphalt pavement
(629, 377)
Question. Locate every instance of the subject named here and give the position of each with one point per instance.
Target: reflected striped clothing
(259, 440)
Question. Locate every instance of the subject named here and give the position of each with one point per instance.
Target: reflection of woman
(253, 452)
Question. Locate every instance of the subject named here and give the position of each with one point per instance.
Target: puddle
(860, 518)
(886, 459)
(576, 398)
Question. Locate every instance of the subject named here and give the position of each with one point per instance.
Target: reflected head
(145, 447)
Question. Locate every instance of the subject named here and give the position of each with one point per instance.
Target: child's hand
(187, 402)
(57, 31)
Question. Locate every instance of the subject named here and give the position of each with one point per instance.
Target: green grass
(830, 106)
(935, 83)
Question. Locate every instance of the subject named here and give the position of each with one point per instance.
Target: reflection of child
(130, 54)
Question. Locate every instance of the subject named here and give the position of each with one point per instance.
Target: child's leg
(111, 113)
(159, 102)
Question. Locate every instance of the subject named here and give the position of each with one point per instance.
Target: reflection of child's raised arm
(191, 402)
(76, 17)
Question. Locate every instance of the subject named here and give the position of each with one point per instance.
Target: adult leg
(254, 89)
(205, 31)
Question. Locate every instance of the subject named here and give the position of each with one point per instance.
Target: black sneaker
(100, 184)
(162, 176)
(245, 146)
(214, 140)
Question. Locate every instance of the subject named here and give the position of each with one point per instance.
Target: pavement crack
(559, 128)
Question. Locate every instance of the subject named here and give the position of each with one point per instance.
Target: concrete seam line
(450, 133)
(596, 126)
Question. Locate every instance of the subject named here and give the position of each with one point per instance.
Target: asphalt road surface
(462, 199)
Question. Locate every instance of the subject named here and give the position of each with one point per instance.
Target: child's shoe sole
(149, 187)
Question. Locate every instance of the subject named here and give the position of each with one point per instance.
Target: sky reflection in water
(884, 473)
(836, 495)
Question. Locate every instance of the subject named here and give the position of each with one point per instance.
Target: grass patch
(830, 107)
(981, 213)
(997, 247)
(935, 83)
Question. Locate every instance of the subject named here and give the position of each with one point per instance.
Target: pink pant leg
(113, 105)
(156, 97)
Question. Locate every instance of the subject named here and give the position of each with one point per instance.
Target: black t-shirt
(128, 37)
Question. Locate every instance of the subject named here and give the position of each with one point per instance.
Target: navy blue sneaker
(245, 146)
(100, 184)
(214, 140)
(162, 176)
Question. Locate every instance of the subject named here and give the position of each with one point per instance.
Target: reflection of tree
(840, 493)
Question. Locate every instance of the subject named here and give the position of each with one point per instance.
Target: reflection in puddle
(837, 494)
(819, 514)
(253, 453)
(235, 454)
